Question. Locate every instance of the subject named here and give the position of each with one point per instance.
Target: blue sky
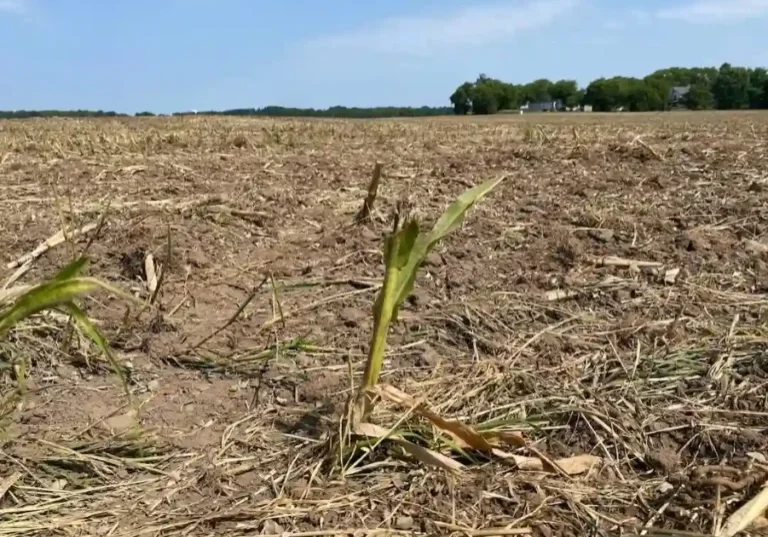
(170, 55)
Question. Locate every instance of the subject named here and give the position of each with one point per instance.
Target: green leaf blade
(46, 296)
(454, 214)
(72, 270)
(87, 327)
(448, 222)
(406, 241)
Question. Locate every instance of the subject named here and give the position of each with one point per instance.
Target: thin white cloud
(427, 35)
(612, 24)
(640, 16)
(13, 6)
(705, 11)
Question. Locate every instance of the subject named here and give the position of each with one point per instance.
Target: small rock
(58, 484)
(153, 385)
(602, 235)
(352, 317)
(691, 242)
(755, 247)
(270, 527)
(404, 522)
(659, 425)
(586, 193)
(369, 234)
(670, 276)
(299, 489)
(429, 357)
(434, 259)
(622, 295)
(665, 460)
(197, 259)
(240, 141)
(66, 371)
(550, 343)
(122, 423)
(418, 298)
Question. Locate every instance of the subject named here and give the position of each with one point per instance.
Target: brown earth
(537, 316)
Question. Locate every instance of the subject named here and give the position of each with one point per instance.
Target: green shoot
(61, 293)
(405, 249)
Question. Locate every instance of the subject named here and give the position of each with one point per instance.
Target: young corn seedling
(59, 293)
(404, 251)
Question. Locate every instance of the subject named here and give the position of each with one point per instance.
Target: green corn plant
(404, 251)
(61, 293)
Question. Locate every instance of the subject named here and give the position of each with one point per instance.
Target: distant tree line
(273, 111)
(26, 114)
(725, 88)
(334, 111)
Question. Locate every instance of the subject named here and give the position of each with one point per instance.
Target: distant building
(543, 106)
(677, 94)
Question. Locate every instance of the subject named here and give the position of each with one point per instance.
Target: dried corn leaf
(744, 516)
(510, 438)
(422, 454)
(579, 464)
(457, 430)
(8, 482)
(151, 272)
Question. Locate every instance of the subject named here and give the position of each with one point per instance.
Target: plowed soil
(609, 298)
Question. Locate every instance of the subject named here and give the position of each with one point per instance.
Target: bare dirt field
(609, 298)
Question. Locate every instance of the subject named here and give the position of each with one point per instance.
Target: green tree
(699, 97)
(538, 90)
(484, 99)
(765, 94)
(757, 96)
(643, 96)
(566, 91)
(730, 88)
(661, 87)
(509, 96)
(577, 99)
(607, 94)
(684, 76)
(461, 99)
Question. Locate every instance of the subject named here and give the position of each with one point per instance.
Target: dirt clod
(404, 523)
(602, 235)
(665, 461)
(352, 317)
(434, 259)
